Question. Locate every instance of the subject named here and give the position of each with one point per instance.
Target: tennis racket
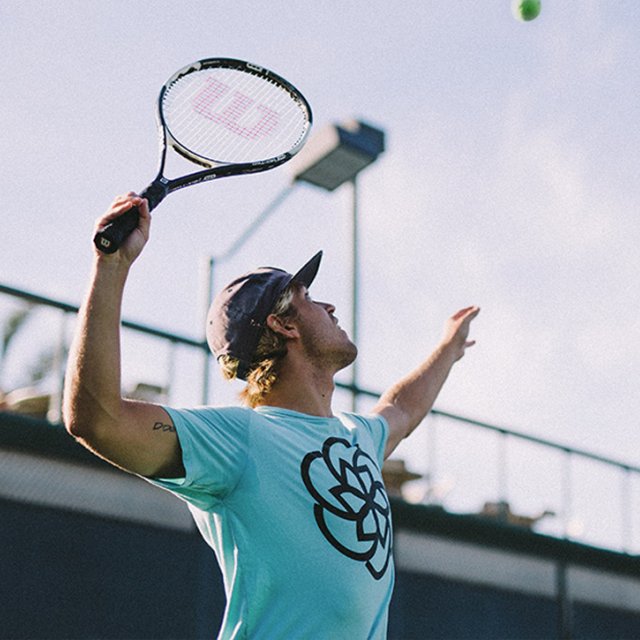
(229, 116)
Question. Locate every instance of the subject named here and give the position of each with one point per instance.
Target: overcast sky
(509, 181)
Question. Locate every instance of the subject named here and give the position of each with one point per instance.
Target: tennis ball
(525, 10)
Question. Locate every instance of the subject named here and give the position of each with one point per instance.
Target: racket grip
(109, 239)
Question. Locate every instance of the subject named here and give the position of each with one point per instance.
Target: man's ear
(282, 325)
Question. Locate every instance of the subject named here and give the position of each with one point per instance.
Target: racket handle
(109, 239)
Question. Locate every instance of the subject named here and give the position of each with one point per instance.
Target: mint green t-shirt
(296, 512)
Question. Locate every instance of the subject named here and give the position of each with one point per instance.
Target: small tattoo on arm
(161, 426)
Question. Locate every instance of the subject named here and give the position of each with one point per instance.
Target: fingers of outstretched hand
(467, 313)
(461, 320)
(457, 329)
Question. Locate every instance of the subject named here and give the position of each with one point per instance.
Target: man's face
(322, 337)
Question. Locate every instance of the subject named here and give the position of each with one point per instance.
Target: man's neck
(306, 392)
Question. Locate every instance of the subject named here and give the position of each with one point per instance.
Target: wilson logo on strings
(235, 111)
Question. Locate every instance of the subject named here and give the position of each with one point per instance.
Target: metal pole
(626, 511)
(208, 278)
(432, 461)
(54, 413)
(354, 289)
(563, 598)
(254, 225)
(567, 494)
(207, 288)
(503, 482)
(171, 371)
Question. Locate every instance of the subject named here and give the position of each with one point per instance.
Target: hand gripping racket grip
(110, 238)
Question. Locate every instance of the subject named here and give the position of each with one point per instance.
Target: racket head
(223, 111)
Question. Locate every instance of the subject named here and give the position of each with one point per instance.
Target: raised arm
(135, 436)
(406, 403)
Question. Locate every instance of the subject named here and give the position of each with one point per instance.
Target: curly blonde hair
(271, 349)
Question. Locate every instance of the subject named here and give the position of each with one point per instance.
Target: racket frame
(108, 240)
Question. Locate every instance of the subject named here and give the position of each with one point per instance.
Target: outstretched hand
(135, 242)
(456, 331)
(406, 403)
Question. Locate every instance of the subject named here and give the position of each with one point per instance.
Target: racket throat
(156, 192)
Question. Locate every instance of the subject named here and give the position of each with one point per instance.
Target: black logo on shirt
(352, 509)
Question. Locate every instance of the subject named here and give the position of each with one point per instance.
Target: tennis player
(288, 494)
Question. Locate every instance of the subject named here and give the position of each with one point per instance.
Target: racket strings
(233, 116)
(281, 122)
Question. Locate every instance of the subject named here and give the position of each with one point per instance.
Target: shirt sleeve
(376, 428)
(214, 453)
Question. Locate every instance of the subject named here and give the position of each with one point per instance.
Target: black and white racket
(230, 116)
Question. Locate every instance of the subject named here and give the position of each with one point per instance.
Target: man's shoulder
(211, 414)
(359, 420)
(213, 409)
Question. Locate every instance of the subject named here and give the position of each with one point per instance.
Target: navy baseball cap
(237, 316)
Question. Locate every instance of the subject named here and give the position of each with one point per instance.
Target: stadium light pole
(210, 268)
(333, 156)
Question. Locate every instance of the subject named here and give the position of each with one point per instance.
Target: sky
(508, 181)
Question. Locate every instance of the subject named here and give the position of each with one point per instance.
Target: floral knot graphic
(352, 509)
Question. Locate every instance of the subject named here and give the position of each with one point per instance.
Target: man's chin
(349, 356)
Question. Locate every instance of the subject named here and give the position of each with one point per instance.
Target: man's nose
(328, 306)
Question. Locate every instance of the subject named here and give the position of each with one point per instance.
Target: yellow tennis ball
(525, 10)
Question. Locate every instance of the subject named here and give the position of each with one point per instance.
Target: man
(288, 495)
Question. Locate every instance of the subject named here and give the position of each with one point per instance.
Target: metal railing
(527, 470)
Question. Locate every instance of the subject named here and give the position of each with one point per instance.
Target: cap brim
(308, 272)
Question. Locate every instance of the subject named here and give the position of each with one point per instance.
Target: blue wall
(66, 575)
(439, 609)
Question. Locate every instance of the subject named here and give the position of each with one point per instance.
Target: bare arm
(135, 436)
(406, 403)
